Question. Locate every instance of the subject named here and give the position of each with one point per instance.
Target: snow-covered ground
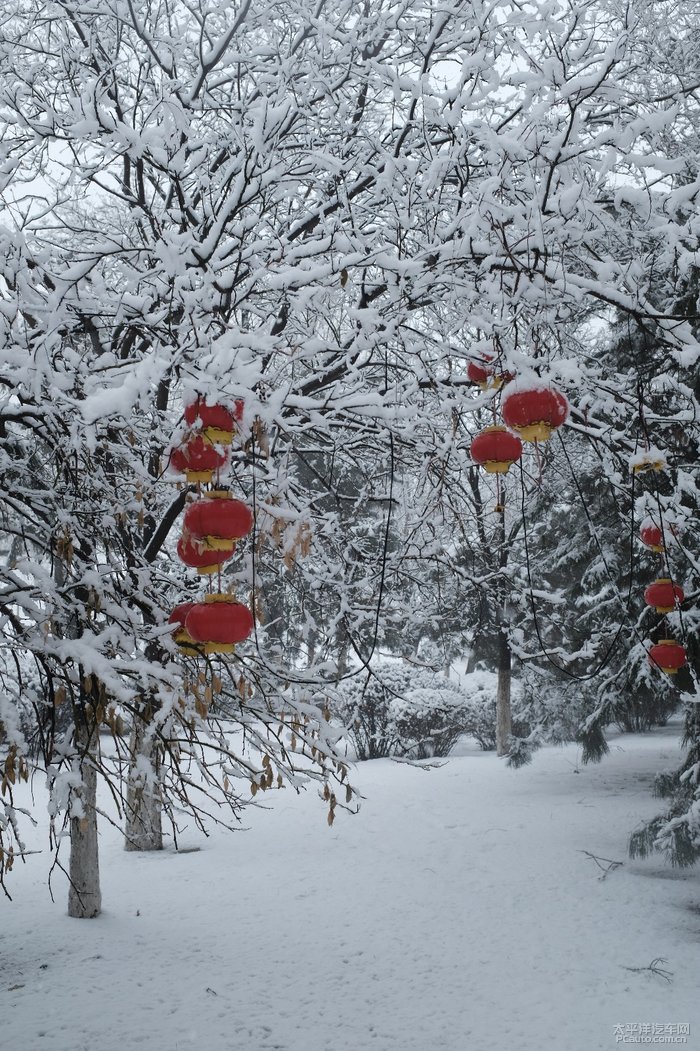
(455, 911)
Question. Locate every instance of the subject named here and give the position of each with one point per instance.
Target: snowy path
(454, 912)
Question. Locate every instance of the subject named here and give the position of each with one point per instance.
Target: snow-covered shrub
(555, 704)
(643, 707)
(479, 687)
(430, 718)
(402, 711)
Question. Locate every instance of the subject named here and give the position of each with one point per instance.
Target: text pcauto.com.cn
(652, 1033)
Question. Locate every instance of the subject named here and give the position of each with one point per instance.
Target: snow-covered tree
(325, 213)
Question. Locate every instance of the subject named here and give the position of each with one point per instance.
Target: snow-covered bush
(401, 710)
(479, 688)
(556, 705)
(413, 712)
(430, 718)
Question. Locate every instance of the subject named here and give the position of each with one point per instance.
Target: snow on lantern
(654, 536)
(197, 459)
(217, 520)
(651, 459)
(219, 623)
(534, 413)
(651, 535)
(181, 635)
(668, 655)
(217, 422)
(486, 375)
(496, 449)
(664, 595)
(194, 553)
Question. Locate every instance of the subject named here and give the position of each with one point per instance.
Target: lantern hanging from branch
(197, 459)
(218, 520)
(218, 423)
(652, 459)
(534, 413)
(664, 595)
(496, 449)
(219, 623)
(655, 537)
(668, 655)
(486, 375)
(194, 553)
(181, 635)
(651, 535)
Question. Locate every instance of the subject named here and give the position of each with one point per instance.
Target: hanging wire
(626, 606)
(594, 533)
(555, 664)
(665, 625)
(665, 561)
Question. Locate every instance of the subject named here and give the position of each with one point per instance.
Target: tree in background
(326, 214)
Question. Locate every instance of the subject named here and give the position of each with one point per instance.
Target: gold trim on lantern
(186, 643)
(199, 476)
(649, 464)
(219, 596)
(219, 543)
(217, 436)
(206, 571)
(218, 647)
(492, 383)
(497, 466)
(541, 431)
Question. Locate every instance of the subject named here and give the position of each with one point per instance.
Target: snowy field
(455, 911)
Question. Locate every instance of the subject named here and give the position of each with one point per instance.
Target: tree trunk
(504, 722)
(144, 825)
(84, 896)
(503, 712)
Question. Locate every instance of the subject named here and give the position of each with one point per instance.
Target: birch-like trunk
(84, 895)
(504, 722)
(144, 824)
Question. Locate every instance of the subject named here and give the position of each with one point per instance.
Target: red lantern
(219, 623)
(217, 422)
(197, 459)
(668, 655)
(195, 554)
(181, 635)
(653, 536)
(496, 449)
(218, 520)
(664, 595)
(484, 375)
(535, 413)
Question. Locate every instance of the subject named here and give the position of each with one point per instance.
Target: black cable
(608, 654)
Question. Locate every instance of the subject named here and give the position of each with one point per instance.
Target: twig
(603, 863)
(419, 764)
(654, 968)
